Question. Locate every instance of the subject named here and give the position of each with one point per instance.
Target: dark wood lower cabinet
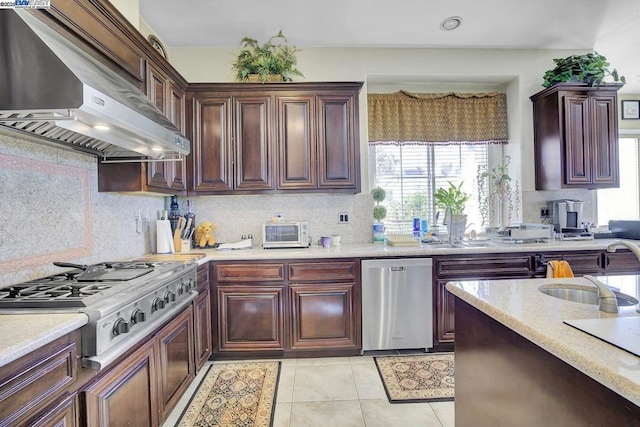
(203, 328)
(40, 383)
(250, 317)
(64, 414)
(503, 379)
(127, 394)
(323, 315)
(176, 361)
(514, 266)
(143, 388)
(289, 309)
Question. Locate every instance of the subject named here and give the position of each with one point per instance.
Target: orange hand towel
(559, 269)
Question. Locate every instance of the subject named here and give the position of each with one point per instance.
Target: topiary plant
(379, 212)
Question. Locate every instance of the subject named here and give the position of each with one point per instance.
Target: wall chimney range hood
(53, 90)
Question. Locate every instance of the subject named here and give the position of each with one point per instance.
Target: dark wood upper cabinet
(576, 137)
(338, 156)
(274, 137)
(253, 136)
(296, 142)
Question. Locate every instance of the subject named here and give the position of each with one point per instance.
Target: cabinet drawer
(621, 261)
(236, 273)
(320, 272)
(484, 267)
(37, 379)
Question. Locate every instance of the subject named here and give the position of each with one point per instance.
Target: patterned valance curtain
(437, 118)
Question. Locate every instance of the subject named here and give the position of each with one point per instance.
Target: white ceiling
(612, 27)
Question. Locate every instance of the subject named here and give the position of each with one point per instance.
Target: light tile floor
(338, 392)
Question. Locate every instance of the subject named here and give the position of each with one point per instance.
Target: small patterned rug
(234, 394)
(419, 378)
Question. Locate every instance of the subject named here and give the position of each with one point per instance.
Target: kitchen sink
(583, 294)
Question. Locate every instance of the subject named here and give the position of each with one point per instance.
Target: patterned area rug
(419, 378)
(234, 394)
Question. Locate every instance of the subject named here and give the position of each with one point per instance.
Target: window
(623, 202)
(410, 174)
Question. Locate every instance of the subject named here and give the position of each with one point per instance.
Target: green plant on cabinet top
(272, 58)
(590, 68)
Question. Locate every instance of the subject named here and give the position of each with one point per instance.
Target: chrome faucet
(608, 300)
(634, 248)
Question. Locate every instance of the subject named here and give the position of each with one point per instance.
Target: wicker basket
(257, 78)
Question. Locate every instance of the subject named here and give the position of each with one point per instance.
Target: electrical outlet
(544, 212)
(343, 218)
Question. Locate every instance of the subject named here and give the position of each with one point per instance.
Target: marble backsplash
(235, 216)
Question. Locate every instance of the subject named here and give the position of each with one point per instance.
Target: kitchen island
(517, 363)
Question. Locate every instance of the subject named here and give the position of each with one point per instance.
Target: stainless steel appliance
(124, 301)
(566, 215)
(53, 89)
(397, 309)
(524, 233)
(285, 234)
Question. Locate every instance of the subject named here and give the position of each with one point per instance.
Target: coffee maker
(566, 215)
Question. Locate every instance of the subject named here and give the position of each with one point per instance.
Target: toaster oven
(286, 234)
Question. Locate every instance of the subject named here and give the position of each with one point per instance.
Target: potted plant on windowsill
(274, 60)
(589, 68)
(453, 201)
(497, 192)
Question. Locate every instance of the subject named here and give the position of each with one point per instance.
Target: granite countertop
(519, 305)
(39, 329)
(21, 334)
(371, 250)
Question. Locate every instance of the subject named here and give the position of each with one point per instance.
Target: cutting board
(623, 332)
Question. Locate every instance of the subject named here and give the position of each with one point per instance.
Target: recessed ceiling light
(451, 23)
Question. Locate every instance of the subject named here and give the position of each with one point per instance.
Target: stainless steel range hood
(54, 90)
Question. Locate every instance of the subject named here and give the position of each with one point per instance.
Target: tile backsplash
(52, 211)
(235, 216)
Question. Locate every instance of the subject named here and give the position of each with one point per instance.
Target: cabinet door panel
(604, 140)
(577, 139)
(250, 318)
(126, 395)
(212, 153)
(253, 143)
(202, 327)
(445, 313)
(337, 142)
(65, 414)
(296, 143)
(175, 351)
(323, 315)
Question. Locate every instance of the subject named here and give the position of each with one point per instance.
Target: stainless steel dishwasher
(397, 309)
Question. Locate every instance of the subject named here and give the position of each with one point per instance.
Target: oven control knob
(192, 284)
(120, 327)
(138, 316)
(169, 297)
(181, 288)
(157, 304)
